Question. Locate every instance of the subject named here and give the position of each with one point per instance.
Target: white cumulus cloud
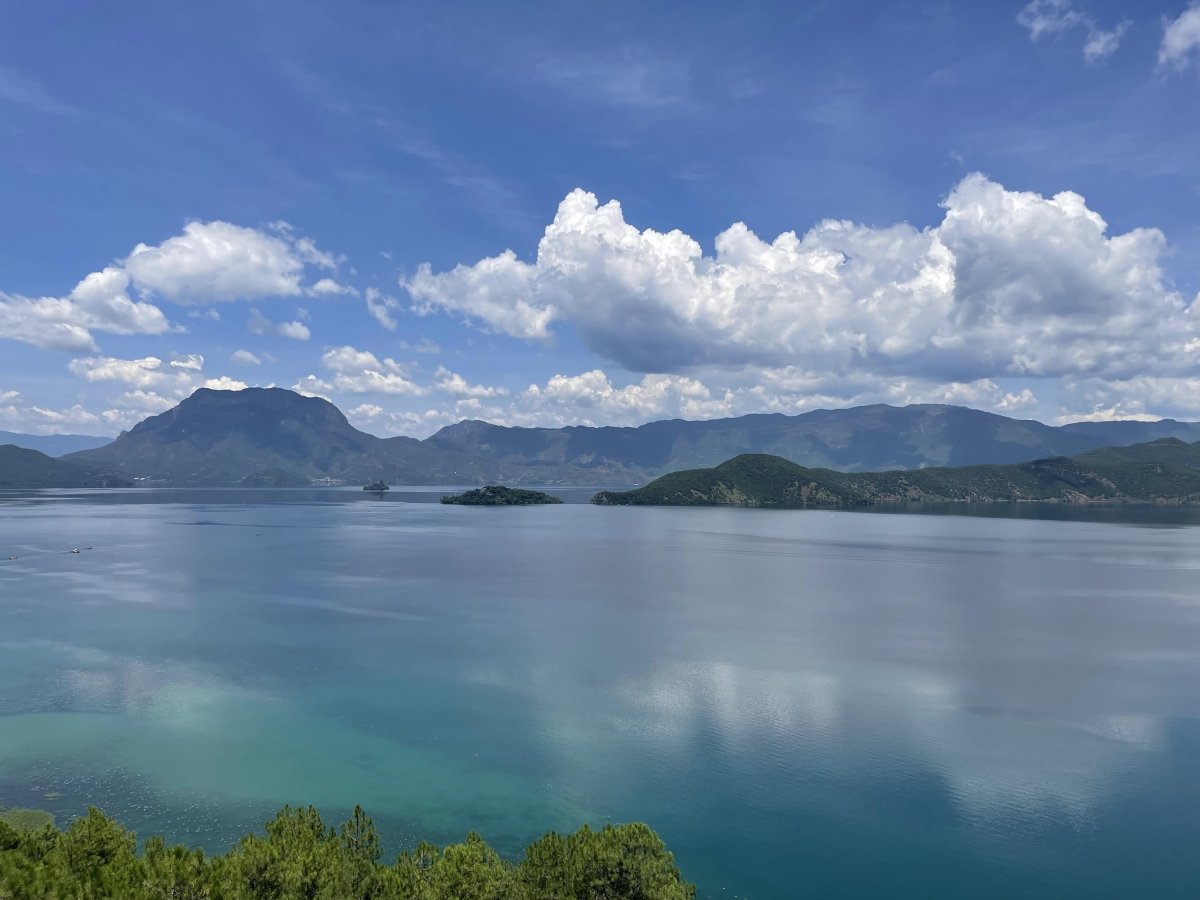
(980, 394)
(260, 324)
(225, 383)
(1008, 283)
(374, 418)
(138, 404)
(193, 362)
(245, 358)
(152, 385)
(100, 302)
(297, 331)
(144, 373)
(43, 420)
(327, 287)
(454, 384)
(354, 371)
(216, 262)
(1138, 397)
(500, 291)
(210, 262)
(382, 307)
(591, 398)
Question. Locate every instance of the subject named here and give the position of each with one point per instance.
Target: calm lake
(826, 704)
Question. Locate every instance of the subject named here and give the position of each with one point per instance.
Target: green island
(1162, 471)
(299, 856)
(498, 495)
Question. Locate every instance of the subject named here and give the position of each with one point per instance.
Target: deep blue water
(801, 703)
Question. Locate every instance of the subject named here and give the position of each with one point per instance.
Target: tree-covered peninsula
(1163, 471)
(299, 856)
(498, 495)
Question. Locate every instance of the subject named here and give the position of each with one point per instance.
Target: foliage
(26, 819)
(752, 479)
(628, 861)
(1162, 471)
(498, 495)
(300, 857)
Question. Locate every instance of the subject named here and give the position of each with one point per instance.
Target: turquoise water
(801, 703)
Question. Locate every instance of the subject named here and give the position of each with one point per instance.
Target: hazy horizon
(113, 435)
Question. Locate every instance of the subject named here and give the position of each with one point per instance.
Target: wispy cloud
(630, 77)
(1181, 40)
(16, 88)
(493, 196)
(316, 88)
(1048, 17)
(490, 194)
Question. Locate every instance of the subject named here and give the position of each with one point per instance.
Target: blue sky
(992, 204)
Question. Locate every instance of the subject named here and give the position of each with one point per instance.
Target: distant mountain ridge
(1162, 471)
(864, 438)
(230, 437)
(53, 444)
(24, 468)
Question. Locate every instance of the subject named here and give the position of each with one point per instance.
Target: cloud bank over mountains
(1013, 301)
(1008, 285)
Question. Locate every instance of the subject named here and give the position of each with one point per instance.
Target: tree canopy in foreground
(301, 857)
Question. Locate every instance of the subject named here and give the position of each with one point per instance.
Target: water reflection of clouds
(64, 649)
(998, 765)
(116, 583)
(193, 736)
(171, 692)
(490, 676)
(744, 705)
(85, 679)
(347, 608)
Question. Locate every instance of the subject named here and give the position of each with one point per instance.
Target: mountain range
(53, 444)
(272, 435)
(23, 468)
(1162, 471)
